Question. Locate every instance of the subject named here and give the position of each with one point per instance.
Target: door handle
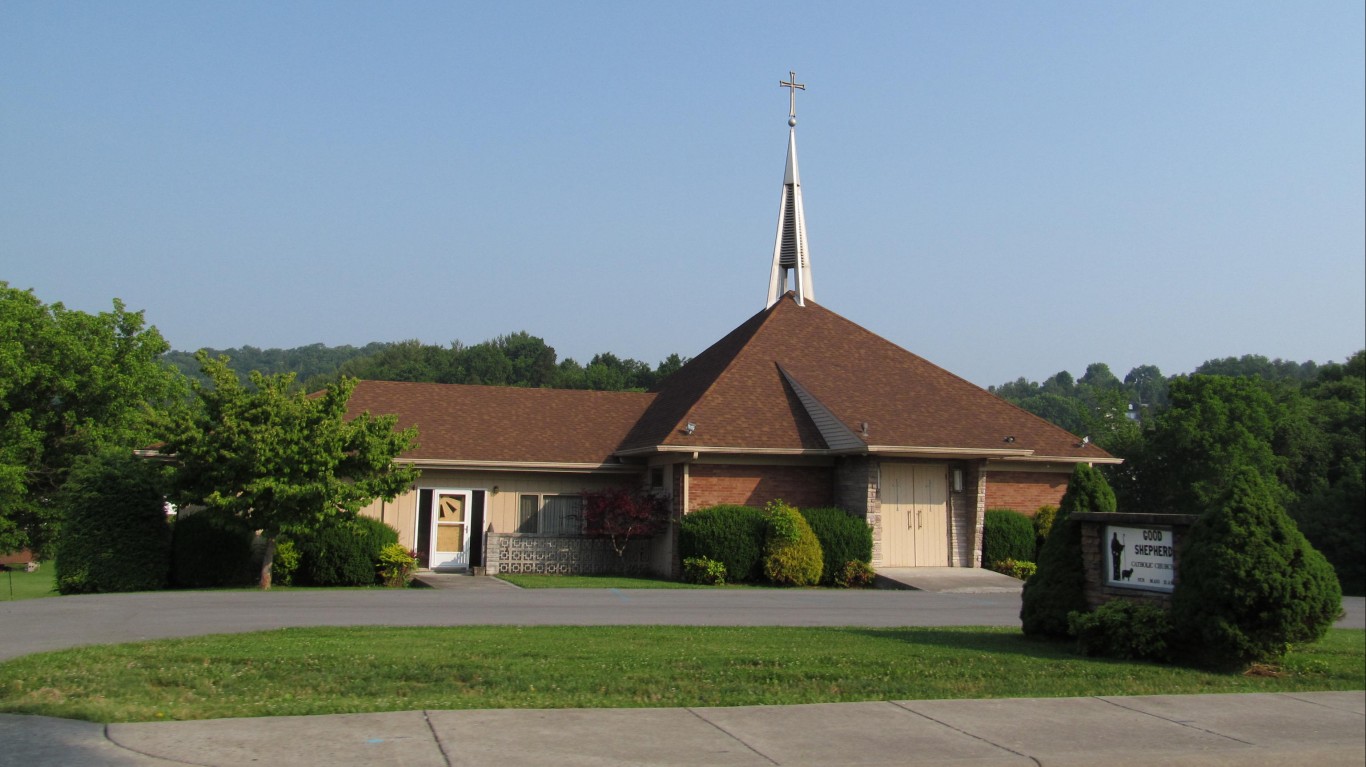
(917, 518)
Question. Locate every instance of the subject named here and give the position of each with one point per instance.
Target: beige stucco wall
(503, 489)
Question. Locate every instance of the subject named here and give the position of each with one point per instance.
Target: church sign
(1140, 558)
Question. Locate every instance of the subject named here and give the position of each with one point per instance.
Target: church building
(797, 403)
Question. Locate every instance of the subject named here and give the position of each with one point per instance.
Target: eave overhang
(885, 451)
(1033, 458)
(536, 466)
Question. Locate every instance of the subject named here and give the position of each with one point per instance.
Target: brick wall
(1024, 491)
(799, 486)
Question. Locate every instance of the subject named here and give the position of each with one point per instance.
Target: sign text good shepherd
(1140, 558)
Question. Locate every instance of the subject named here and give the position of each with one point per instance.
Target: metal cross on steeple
(791, 84)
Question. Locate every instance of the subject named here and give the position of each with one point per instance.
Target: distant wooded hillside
(517, 359)
(305, 362)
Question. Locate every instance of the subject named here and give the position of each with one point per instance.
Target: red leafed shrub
(620, 514)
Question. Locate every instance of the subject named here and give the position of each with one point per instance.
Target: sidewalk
(1318, 728)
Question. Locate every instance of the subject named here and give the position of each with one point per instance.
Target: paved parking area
(35, 625)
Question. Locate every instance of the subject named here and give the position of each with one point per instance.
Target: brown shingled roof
(736, 394)
(789, 379)
(505, 424)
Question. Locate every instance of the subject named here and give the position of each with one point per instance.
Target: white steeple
(789, 250)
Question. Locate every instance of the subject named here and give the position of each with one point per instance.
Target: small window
(531, 505)
(657, 478)
(550, 515)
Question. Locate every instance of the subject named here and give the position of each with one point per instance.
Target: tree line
(516, 359)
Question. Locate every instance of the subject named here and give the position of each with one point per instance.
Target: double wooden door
(915, 515)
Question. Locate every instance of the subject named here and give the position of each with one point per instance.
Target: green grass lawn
(341, 670)
(42, 583)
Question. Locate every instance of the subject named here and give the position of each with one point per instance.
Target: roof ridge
(767, 313)
(678, 394)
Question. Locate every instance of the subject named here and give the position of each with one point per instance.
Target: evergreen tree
(114, 534)
(1249, 582)
(1058, 585)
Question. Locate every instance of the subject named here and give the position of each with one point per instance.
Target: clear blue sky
(1005, 188)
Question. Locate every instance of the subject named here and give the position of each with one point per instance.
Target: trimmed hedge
(210, 549)
(792, 555)
(343, 552)
(114, 532)
(1007, 534)
(1123, 629)
(1058, 586)
(729, 534)
(1250, 582)
(844, 538)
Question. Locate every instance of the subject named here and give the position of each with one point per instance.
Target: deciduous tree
(621, 515)
(71, 384)
(282, 460)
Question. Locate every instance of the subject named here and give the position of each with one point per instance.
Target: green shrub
(210, 549)
(1043, 522)
(731, 535)
(1007, 534)
(285, 562)
(114, 534)
(1058, 586)
(1250, 584)
(1015, 568)
(397, 565)
(844, 538)
(708, 572)
(855, 574)
(1123, 629)
(792, 555)
(343, 552)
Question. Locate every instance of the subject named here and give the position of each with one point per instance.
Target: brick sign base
(1095, 553)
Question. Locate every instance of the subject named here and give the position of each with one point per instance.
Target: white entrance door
(915, 515)
(450, 529)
